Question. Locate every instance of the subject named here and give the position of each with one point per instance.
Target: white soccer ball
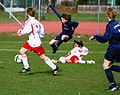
(18, 58)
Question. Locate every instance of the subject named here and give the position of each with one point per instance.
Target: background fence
(94, 9)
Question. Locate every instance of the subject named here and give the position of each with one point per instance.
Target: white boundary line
(7, 42)
(46, 50)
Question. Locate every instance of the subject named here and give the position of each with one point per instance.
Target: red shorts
(74, 58)
(39, 50)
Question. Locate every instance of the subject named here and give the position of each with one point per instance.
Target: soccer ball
(18, 58)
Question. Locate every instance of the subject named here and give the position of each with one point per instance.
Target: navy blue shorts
(63, 33)
(113, 53)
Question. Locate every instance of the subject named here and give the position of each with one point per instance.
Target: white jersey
(35, 30)
(77, 51)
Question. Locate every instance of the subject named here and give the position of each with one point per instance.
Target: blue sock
(115, 68)
(59, 43)
(110, 77)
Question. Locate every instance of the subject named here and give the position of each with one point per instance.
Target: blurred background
(81, 10)
(77, 6)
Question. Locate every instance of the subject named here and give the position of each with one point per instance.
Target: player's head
(78, 43)
(65, 18)
(111, 13)
(31, 12)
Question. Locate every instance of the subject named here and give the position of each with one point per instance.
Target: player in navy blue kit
(112, 36)
(68, 28)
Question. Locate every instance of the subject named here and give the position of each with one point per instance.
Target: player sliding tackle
(35, 30)
(68, 28)
(75, 55)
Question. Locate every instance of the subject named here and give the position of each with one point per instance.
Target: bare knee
(21, 52)
(106, 64)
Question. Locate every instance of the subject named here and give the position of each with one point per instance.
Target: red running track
(89, 28)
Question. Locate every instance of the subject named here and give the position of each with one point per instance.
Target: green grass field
(4, 17)
(72, 79)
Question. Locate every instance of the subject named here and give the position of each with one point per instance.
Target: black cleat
(25, 70)
(112, 88)
(54, 72)
(55, 49)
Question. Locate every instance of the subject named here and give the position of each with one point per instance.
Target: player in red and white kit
(35, 30)
(76, 54)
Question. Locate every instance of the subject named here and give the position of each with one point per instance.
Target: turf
(4, 17)
(72, 79)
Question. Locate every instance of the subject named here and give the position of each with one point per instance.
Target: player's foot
(112, 88)
(91, 62)
(54, 72)
(54, 61)
(55, 49)
(25, 70)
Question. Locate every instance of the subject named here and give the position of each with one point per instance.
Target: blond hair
(111, 13)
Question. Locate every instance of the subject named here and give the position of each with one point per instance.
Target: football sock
(59, 43)
(53, 46)
(25, 61)
(49, 63)
(115, 68)
(110, 77)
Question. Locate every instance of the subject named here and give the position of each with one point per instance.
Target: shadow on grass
(44, 72)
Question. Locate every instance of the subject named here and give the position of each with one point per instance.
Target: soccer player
(112, 36)
(68, 28)
(35, 30)
(75, 55)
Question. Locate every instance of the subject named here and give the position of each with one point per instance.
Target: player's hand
(51, 6)
(73, 28)
(91, 38)
(19, 32)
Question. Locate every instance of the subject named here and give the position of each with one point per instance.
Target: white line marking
(9, 42)
(46, 50)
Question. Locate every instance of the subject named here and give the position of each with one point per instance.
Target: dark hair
(66, 17)
(111, 13)
(31, 12)
(80, 43)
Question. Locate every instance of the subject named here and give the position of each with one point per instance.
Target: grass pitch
(72, 79)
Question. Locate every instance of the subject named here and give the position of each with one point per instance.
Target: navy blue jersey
(66, 27)
(112, 35)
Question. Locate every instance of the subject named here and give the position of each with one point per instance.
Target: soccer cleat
(25, 70)
(55, 49)
(54, 72)
(112, 88)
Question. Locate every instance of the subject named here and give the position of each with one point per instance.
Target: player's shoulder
(76, 48)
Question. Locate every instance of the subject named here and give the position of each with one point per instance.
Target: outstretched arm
(52, 7)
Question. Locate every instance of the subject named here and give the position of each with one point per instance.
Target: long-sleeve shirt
(112, 34)
(77, 51)
(66, 27)
(35, 30)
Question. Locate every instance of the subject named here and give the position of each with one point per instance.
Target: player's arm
(52, 7)
(105, 38)
(42, 31)
(74, 25)
(26, 30)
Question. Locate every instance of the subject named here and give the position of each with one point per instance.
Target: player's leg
(24, 60)
(48, 61)
(52, 43)
(107, 68)
(23, 51)
(63, 38)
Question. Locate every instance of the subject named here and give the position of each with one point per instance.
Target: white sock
(49, 63)
(25, 61)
